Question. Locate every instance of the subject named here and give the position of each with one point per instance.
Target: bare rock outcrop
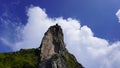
(53, 53)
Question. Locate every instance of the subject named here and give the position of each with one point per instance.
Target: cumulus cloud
(90, 51)
(118, 14)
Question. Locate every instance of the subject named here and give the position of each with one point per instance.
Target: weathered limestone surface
(53, 53)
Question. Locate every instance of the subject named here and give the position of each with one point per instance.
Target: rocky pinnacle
(53, 53)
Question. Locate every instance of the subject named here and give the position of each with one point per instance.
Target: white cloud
(118, 14)
(91, 51)
(6, 42)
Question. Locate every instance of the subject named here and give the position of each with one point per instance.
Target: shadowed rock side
(53, 53)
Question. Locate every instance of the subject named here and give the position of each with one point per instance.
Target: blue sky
(90, 27)
(99, 15)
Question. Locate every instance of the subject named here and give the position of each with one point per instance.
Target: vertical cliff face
(53, 53)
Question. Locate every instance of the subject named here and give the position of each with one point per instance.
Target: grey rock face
(53, 53)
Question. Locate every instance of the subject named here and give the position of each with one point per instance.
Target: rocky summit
(53, 53)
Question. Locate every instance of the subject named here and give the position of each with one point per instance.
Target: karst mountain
(52, 53)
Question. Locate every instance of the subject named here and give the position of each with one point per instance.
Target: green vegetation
(55, 57)
(21, 59)
(70, 59)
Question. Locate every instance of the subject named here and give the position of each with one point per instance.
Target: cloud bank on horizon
(90, 51)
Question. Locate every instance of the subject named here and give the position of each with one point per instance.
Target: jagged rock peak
(53, 42)
(53, 53)
(56, 30)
